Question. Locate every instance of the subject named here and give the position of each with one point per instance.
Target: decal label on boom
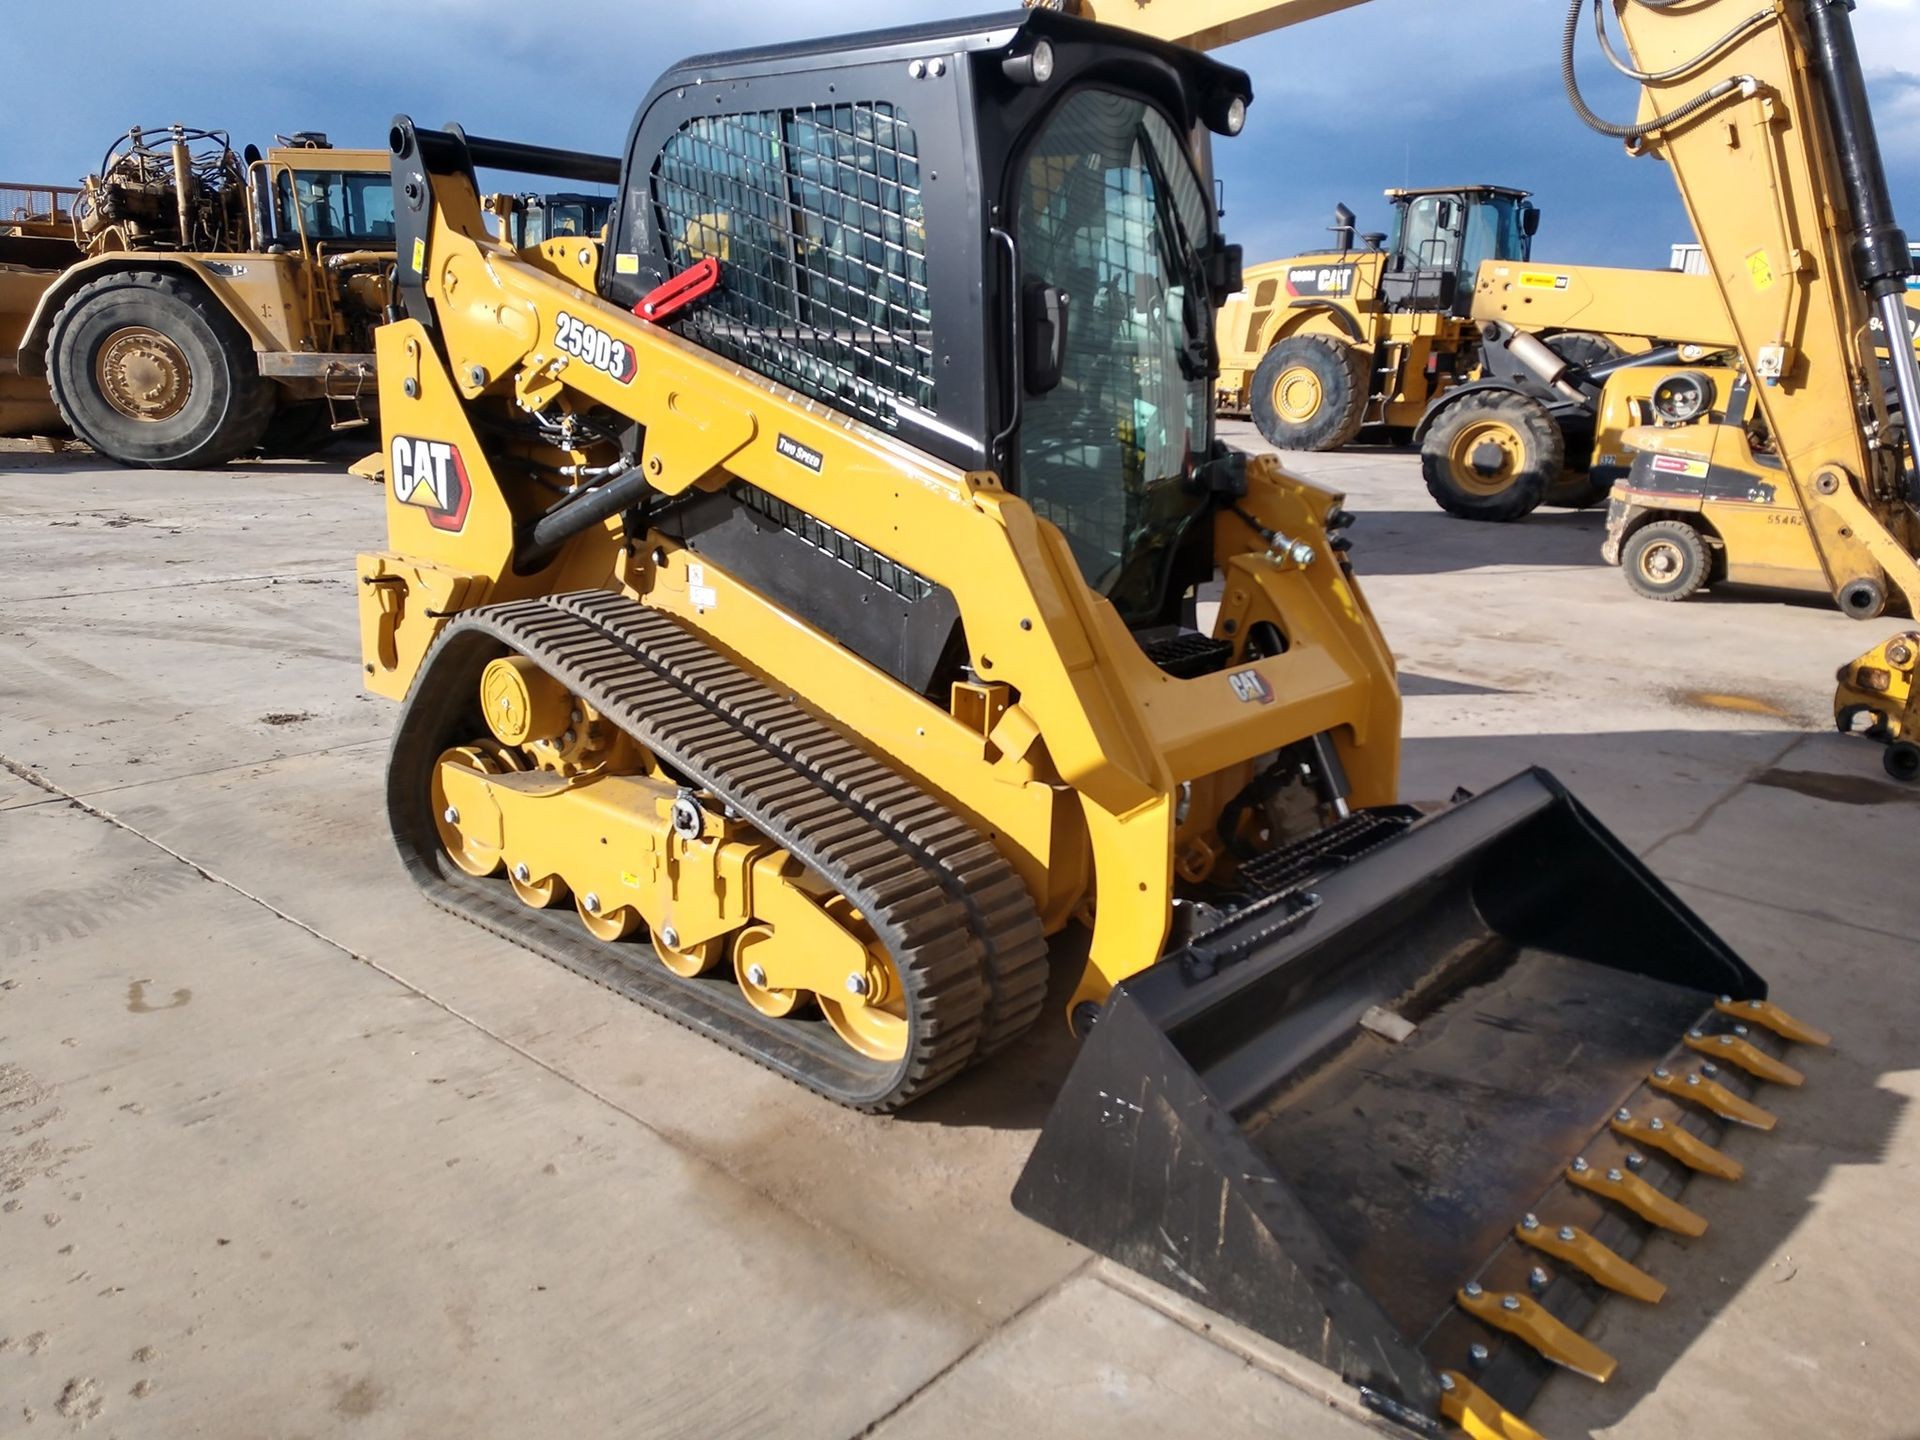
(431, 474)
(1543, 280)
(596, 347)
(1315, 280)
(800, 454)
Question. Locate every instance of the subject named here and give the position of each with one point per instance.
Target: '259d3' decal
(431, 474)
(596, 347)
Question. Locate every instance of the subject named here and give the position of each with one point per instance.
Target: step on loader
(794, 622)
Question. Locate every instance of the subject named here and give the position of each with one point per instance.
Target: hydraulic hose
(1632, 133)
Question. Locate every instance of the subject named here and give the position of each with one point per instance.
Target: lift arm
(1199, 24)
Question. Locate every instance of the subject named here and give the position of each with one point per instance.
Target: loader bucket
(1338, 1108)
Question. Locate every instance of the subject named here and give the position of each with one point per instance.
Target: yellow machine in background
(1322, 345)
(1446, 332)
(207, 301)
(796, 628)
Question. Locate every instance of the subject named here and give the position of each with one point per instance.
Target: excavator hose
(1634, 133)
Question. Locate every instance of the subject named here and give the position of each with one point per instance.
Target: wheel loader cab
(1006, 260)
(1440, 238)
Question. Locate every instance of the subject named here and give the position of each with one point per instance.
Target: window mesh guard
(815, 216)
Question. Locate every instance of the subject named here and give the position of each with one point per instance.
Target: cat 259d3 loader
(795, 627)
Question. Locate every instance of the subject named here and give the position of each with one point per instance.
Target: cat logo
(431, 474)
(1250, 686)
(1311, 280)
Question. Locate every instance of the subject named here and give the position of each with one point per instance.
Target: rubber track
(938, 903)
(999, 909)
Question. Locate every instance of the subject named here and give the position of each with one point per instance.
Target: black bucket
(1327, 1114)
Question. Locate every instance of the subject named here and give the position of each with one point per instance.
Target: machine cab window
(1441, 238)
(334, 205)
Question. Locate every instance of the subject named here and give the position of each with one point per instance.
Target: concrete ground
(285, 1152)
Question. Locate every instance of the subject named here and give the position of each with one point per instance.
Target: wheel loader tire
(148, 370)
(1583, 348)
(1310, 393)
(1902, 761)
(1576, 490)
(1492, 456)
(1666, 560)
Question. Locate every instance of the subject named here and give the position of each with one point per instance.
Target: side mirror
(1043, 340)
(1443, 219)
(1226, 270)
(1530, 221)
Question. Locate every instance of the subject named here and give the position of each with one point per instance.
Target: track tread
(954, 915)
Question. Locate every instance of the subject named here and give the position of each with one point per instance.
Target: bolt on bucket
(1413, 1113)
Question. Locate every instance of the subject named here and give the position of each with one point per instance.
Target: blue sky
(1395, 92)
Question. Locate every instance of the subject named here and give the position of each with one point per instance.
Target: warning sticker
(419, 254)
(1674, 465)
(1760, 270)
(1543, 280)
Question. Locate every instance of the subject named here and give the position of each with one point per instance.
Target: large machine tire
(1492, 455)
(1666, 560)
(148, 370)
(1583, 348)
(298, 429)
(1310, 393)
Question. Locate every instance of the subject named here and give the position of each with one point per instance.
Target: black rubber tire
(1583, 347)
(298, 429)
(1527, 470)
(227, 404)
(1902, 761)
(1340, 372)
(1576, 490)
(1660, 542)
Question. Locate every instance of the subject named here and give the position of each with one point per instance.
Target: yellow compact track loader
(795, 626)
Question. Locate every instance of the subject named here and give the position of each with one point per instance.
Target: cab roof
(1408, 193)
(325, 157)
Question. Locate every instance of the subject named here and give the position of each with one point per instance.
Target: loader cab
(1440, 238)
(339, 199)
(1059, 331)
(536, 218)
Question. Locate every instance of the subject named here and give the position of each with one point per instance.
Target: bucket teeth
(1711, 1095)
(1477, 1413)
(1689, 1149)
(1573, 1246)
(1637, 1195)
(1765, 1012)
(1525, 1318)
(1736, 1051)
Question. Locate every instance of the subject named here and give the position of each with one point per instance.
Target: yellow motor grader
(795, 627)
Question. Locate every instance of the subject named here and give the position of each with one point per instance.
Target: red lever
(679, 292)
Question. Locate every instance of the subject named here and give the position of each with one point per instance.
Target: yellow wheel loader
(1320, 346)
(795, 628)
(1445, 332)
(208, 301)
